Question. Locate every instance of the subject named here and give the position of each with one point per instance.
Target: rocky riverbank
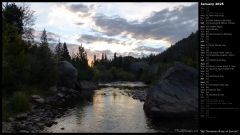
(44, 111)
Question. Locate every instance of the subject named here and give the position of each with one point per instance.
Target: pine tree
(94, 60)
(58, 51)
(13, 15)
(82, 53)
(115, 60)
(20, 17)
(43, 38)
(102, 57)
(120, 61)
(115, 56)
(80, 60)
(44, 49)
(105, 58)
(65, 53)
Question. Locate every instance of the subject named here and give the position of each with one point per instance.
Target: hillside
(185, 50)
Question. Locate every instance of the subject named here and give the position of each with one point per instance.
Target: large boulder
(67, 74)
(175, 95)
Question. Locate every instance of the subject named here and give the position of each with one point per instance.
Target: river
(110, 109)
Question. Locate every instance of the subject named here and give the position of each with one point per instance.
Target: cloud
(78, 8)
(150, 49)
(171, 25)
(85, 15)
(79, 23)
(91, 39)
(119, 27)
(82, 10)
(53, 37)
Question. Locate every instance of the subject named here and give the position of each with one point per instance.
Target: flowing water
(109, 109)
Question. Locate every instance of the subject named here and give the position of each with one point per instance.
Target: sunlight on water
(109, 111)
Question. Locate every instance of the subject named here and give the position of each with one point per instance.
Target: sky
(135, 29)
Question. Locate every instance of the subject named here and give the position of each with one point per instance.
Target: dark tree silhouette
(44, 41)
(58, 51)
(65, 53)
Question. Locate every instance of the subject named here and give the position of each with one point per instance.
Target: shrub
(19, 103)
(5, 110)
(125, 76)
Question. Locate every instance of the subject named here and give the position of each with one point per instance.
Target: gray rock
(7, 127)
(36, 119)
(21, 116)
(67, 74)
(35, 96)
(176, 94)
(52, 99)
(60, 95)
(37, 99)
(11, 119)
(19, 126)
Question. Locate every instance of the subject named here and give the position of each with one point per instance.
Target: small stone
(37, 99)
(20, 126)
(60, 95)
(22, 116)
(49, 124)
(35, 96)
(62, 128)
(11, 119)
(7, 127)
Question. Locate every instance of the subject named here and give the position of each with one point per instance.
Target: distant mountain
(185, 50)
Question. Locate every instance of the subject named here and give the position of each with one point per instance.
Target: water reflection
(109, 110)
